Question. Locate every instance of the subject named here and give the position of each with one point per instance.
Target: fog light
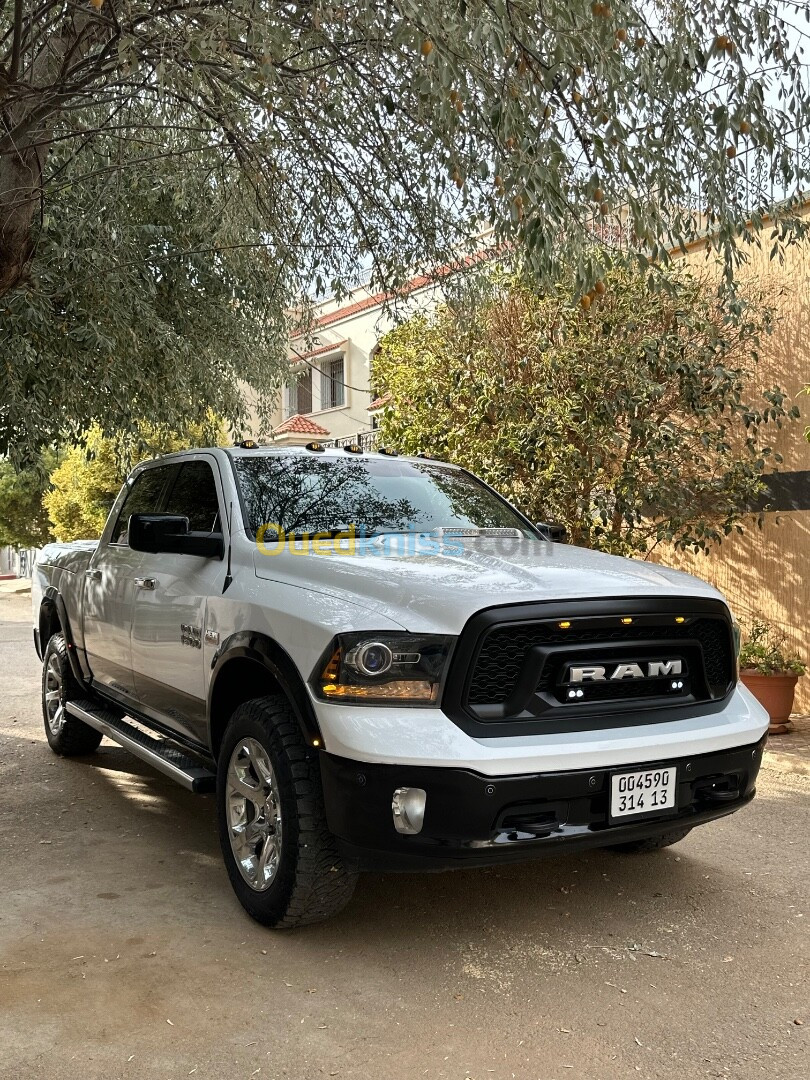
(408, 808)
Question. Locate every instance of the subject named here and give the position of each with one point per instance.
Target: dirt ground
(123, 953)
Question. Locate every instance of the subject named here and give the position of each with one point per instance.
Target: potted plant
(770, 672)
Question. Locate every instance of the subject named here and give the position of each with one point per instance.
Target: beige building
(329, 395)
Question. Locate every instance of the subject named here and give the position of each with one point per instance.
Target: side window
(194, 495)
(143, 498)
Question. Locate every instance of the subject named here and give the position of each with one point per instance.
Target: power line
(358, 389)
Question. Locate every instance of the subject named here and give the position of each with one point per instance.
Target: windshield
(307, 494)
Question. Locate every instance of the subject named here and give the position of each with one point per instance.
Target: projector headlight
(384, 668)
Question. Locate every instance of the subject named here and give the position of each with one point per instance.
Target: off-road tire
(652, 843)
(66, 734)
(311, 882)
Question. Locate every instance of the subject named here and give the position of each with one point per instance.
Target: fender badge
(211, 637)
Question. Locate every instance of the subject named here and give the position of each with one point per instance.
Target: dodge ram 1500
(376, 661)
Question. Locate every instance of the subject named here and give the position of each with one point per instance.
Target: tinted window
(303, 493)
(194, 495)
(143, 498)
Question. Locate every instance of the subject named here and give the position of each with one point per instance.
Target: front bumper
(473, 820)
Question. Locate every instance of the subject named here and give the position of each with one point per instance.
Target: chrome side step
(160, 753)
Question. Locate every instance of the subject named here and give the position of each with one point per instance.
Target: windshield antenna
(229, 575)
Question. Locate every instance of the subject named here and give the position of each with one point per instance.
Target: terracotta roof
(361, 305)
(300, 425)
(378, 403)
(336, 347)
(418, 282)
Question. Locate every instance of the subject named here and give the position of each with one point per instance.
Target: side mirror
(169, 533)
(557, 534)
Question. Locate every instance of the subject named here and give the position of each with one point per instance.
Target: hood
(439, 592)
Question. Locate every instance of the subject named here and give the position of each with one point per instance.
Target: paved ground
(793, 750)
(123, 953)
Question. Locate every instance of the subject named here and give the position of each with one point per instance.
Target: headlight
(383, 668)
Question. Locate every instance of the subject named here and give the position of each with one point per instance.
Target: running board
(161, 754)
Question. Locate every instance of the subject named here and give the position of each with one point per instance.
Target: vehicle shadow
(565, 906)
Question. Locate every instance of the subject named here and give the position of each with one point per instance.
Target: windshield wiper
(340, 530)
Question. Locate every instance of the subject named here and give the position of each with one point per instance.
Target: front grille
(502, 655)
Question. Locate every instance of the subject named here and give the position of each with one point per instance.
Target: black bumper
(474, 820)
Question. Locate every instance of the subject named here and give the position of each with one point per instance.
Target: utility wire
(358, 389)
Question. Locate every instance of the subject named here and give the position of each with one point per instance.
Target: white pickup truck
(376, 662)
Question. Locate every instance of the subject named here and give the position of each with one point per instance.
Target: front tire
(66, 734)
(280, 856)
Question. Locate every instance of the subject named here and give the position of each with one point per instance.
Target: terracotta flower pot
(775, 693)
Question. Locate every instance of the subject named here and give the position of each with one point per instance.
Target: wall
(767, 572)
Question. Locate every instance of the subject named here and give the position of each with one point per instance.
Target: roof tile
(378, 403)
(415, 283)
(300, 425)
(335, 347)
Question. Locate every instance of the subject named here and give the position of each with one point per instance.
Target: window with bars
(333, 391)
(299, 394)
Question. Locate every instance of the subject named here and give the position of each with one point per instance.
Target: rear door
(110, 587)
(168, 630)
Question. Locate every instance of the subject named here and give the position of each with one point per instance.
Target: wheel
(652, 843)
(281, 858)
(66, 734)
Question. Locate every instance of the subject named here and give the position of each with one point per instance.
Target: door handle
(94, 575)
(147, 583)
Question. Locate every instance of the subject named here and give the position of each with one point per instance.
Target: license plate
(646, 792)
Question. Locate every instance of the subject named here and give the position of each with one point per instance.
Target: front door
(168, 627)
(110, 588)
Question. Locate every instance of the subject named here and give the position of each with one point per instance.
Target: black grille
(503, 651)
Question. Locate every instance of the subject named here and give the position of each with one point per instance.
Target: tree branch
(14, 66)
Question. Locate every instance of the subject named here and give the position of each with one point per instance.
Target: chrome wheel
(253, 809)
(54, 703)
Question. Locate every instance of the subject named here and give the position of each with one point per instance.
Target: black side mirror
(170, 533)
(557, 534)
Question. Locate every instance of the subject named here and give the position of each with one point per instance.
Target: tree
(83, 487)
(130, 313)
(23, 521)
(87, 480)
(334, 136)
(633, 420)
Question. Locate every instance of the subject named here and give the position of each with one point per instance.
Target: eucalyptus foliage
(150, 299)
(174, 178)
(635, 422)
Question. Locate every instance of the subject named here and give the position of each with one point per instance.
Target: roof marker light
(563, 625)
(314, 446)
(679, 619)
(353, 448)
(626, 620)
